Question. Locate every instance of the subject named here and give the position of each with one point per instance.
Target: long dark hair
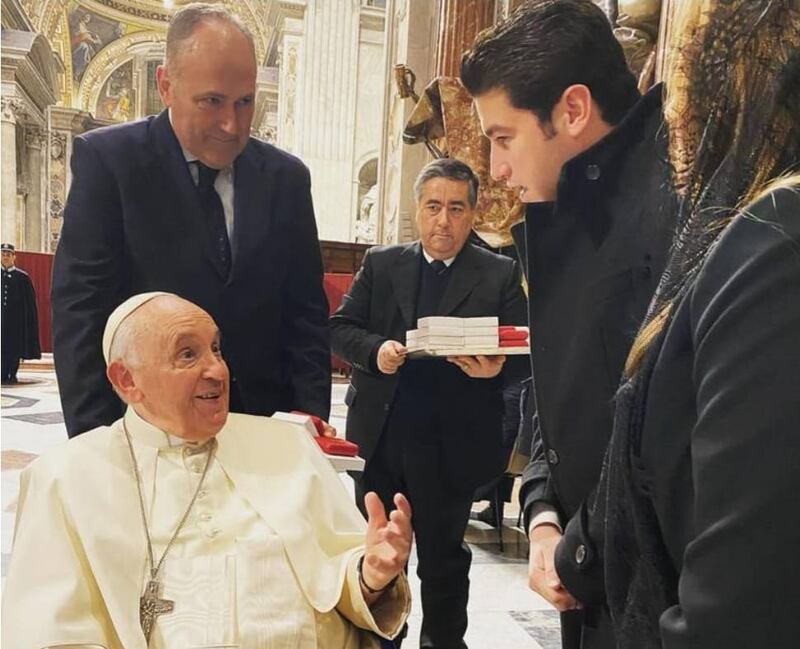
(733, 109)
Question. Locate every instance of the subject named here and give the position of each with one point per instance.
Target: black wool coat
(693, 535)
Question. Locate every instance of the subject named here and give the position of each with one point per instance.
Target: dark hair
(546, 46)
(448, 168)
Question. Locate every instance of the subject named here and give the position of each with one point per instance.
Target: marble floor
(503, 612)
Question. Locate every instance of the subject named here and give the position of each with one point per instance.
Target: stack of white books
(454, 335)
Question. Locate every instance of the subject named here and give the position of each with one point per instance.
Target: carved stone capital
(13, 110)
(35, 137)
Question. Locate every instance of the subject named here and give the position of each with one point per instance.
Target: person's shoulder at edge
(124, 134)
(773, 218)
(771, 222)
(72, 455)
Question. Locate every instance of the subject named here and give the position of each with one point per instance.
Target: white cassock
(267, 558)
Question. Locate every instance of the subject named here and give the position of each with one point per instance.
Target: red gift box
(330, 445)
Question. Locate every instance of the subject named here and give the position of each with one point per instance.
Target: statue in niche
(367, 217)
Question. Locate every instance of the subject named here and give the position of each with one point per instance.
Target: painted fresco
(116, 99)
(89, 33)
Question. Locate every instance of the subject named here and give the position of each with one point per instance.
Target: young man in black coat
(569, 129)
(188, 202)
(430, 428)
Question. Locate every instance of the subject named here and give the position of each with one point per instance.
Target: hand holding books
(391, 356)
(479, 367)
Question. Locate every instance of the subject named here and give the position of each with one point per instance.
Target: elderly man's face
(444, 217)
(182, 379)
(210, 91)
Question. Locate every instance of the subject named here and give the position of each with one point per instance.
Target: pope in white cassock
(181, 526)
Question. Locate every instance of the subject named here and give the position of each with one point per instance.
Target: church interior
(364, 93)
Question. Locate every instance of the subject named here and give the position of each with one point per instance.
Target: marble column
(11, 109)
(459, 22)
(35, 215)
(411, 40)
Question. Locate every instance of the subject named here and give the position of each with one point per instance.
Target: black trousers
(10, 366)
(408, 459)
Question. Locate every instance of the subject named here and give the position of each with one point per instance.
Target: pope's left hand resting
(387, 545)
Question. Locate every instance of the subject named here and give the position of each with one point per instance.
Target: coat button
(592, 172)
(552, 456)
(580, 554)
(386, 407)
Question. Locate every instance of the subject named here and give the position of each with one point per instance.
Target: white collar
(188, 155)
(429, 259)
(145, 433)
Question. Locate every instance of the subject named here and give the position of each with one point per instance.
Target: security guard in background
(20, 321)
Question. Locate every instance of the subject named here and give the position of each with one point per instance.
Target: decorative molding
(293, 8)
(58, 145)
(372, 18)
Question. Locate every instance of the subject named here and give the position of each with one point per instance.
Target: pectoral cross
(150, 607)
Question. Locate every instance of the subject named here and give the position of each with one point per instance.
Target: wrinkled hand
(328, 430)
(388, 541)
(479, 367)
(391, 356)
(542, 575)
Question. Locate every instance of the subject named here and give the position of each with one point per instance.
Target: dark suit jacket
(134, 222)
(381, 306)
(714, 439)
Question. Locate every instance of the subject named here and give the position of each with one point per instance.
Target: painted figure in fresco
(85, 45)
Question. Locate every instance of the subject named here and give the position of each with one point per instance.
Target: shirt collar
(429, 259)
(9, 269)
(187, 155)
(145, 433)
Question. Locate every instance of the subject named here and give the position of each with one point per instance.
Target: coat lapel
(253, 195)
(465, 275)
(172, 167)
(405, 281)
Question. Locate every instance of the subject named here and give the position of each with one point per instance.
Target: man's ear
(575, 110)
(164, 84)
(124, 384)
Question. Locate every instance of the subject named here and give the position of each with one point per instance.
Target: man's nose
(443, 217)
(499, 168)
(229, 120)
(216, 368)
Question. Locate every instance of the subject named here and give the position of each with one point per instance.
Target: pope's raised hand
(388, 541)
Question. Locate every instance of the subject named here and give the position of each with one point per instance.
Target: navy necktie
(215, 213)
(438, 266)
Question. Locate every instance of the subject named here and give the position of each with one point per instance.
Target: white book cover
(439, 321)
(444, 330)
(485, 321)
